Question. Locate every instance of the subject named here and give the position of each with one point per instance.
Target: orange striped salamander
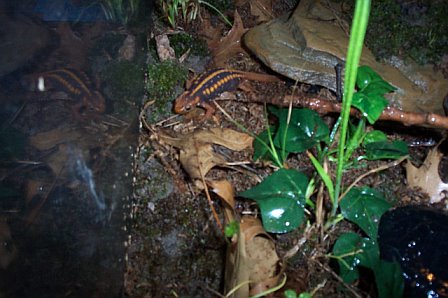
(211, 84)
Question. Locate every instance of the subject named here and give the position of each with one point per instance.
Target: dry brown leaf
(196, 151)
(427, 176)
(57, 161)
(229, 45)
(49, 139)
(228, 138)
(198, 158)
(251, 257)
(164, 50)
(224, 190)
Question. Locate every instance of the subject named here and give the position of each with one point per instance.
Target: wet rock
(307, 45)
(417, 239)
(22, 39)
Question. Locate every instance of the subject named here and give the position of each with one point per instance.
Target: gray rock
(306, 47)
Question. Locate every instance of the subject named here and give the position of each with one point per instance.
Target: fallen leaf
(49, 139)
(196, 152)
(427, 176)
(229, 45)
(251, 257)
(225, 191)
(164, 50)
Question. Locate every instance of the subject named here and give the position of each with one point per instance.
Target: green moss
(418, 30)
(182, 42)
(163, 78)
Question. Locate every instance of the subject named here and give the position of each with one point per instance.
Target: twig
(323, 106)
(380, 168)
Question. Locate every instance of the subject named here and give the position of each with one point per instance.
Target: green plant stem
(360, 21)
(226, 20)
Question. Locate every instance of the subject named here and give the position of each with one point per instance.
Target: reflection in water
(87, 177)
(63, 154)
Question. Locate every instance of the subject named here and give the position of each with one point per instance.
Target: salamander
(74, 84)
(211, 84)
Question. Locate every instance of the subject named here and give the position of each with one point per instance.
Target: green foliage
(417, 29)
(188, 10)
(281, 198)
(370, 96)
(120, 11)
(304, 130)
(364, 206)
(293, 294)
(231, 228)
(352, 251)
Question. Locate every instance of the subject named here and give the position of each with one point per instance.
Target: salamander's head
(184, 103)
(97, 103)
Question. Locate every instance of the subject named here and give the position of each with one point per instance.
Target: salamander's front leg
(209, 109)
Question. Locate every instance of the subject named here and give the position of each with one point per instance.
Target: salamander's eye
(187, 108)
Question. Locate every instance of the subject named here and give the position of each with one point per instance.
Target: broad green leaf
(305, 130)
(370, 105)
(364, 206)
(358, 251)
(281, 198)
(386, 150)
(374, 136)
(378, 88)
(389, 279)
(367, 77)
(348, 243)
(370, 96)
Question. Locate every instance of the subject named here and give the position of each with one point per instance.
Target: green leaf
(374, 136)
(352, 251)
(386, 150)
(368, 77)
(305, 130)
(355, 251)
(364, 206)
(290, 294)
(231, 228)
(370, 97)
(281, 198)
(371, 105)
(346, 244)
(389, 279)
(260, 149)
